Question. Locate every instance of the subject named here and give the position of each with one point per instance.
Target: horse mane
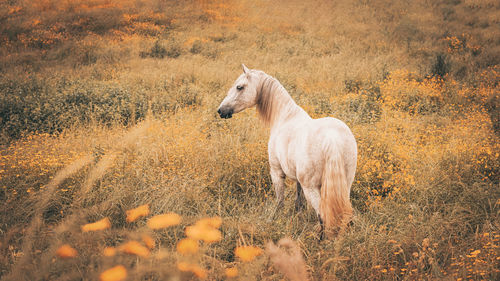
(273, 100)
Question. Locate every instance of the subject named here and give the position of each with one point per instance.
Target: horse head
(242, 95)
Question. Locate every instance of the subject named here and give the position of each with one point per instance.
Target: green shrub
(441, 66)
(158, 50)
(47, 106)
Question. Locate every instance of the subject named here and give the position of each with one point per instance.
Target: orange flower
(212, 235)
(98, 225)
(231, 272)
(214, 222)
(476, 252)
(162, 221)
(187, 246)
(198, 271)
(66, 251)
(109, 252)
(194, 232)
(135, 248)
(149, 241)
(205, 229)
(140, 211)
(183, 266)
(116, 273)
(207, 234)
(247, 253)
(194, 268)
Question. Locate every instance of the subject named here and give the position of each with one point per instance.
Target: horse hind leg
(313, 196)
(299, 198)
(322, 229)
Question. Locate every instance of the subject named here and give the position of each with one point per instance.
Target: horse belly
(296, 157)
(290, 171)
(309, 164)
(281, 153)
(287, 163)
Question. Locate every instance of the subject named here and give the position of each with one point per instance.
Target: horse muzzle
(225, 113)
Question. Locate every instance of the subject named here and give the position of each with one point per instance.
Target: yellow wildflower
(214, 222)
(140, 211)
(66, 251)
(194, 268)
(200, 232)
(187, 246)
(148, 241)
(109, 252)
(475, 253)
(116, 273)
(231, 272)
(247, 253)
(98, 225)
(135, 248)
(165, 220)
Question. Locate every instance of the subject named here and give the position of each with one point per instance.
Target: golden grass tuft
(287, 258)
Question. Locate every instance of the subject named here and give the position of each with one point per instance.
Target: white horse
(319, 154)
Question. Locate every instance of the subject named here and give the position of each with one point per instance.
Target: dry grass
(107, 116)
(291, 264)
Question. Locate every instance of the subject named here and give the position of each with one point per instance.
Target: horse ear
(245, 69)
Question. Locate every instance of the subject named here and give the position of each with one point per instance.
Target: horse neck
(274, 104)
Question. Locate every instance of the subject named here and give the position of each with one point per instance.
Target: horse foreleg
(299, 198)
(278, 178)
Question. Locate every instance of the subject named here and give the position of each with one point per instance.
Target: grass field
(109, 105)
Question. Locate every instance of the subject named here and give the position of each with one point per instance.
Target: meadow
(108, 116)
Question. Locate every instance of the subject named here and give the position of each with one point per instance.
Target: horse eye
(239, 87)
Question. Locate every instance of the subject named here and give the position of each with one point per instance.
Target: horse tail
(335, 205)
